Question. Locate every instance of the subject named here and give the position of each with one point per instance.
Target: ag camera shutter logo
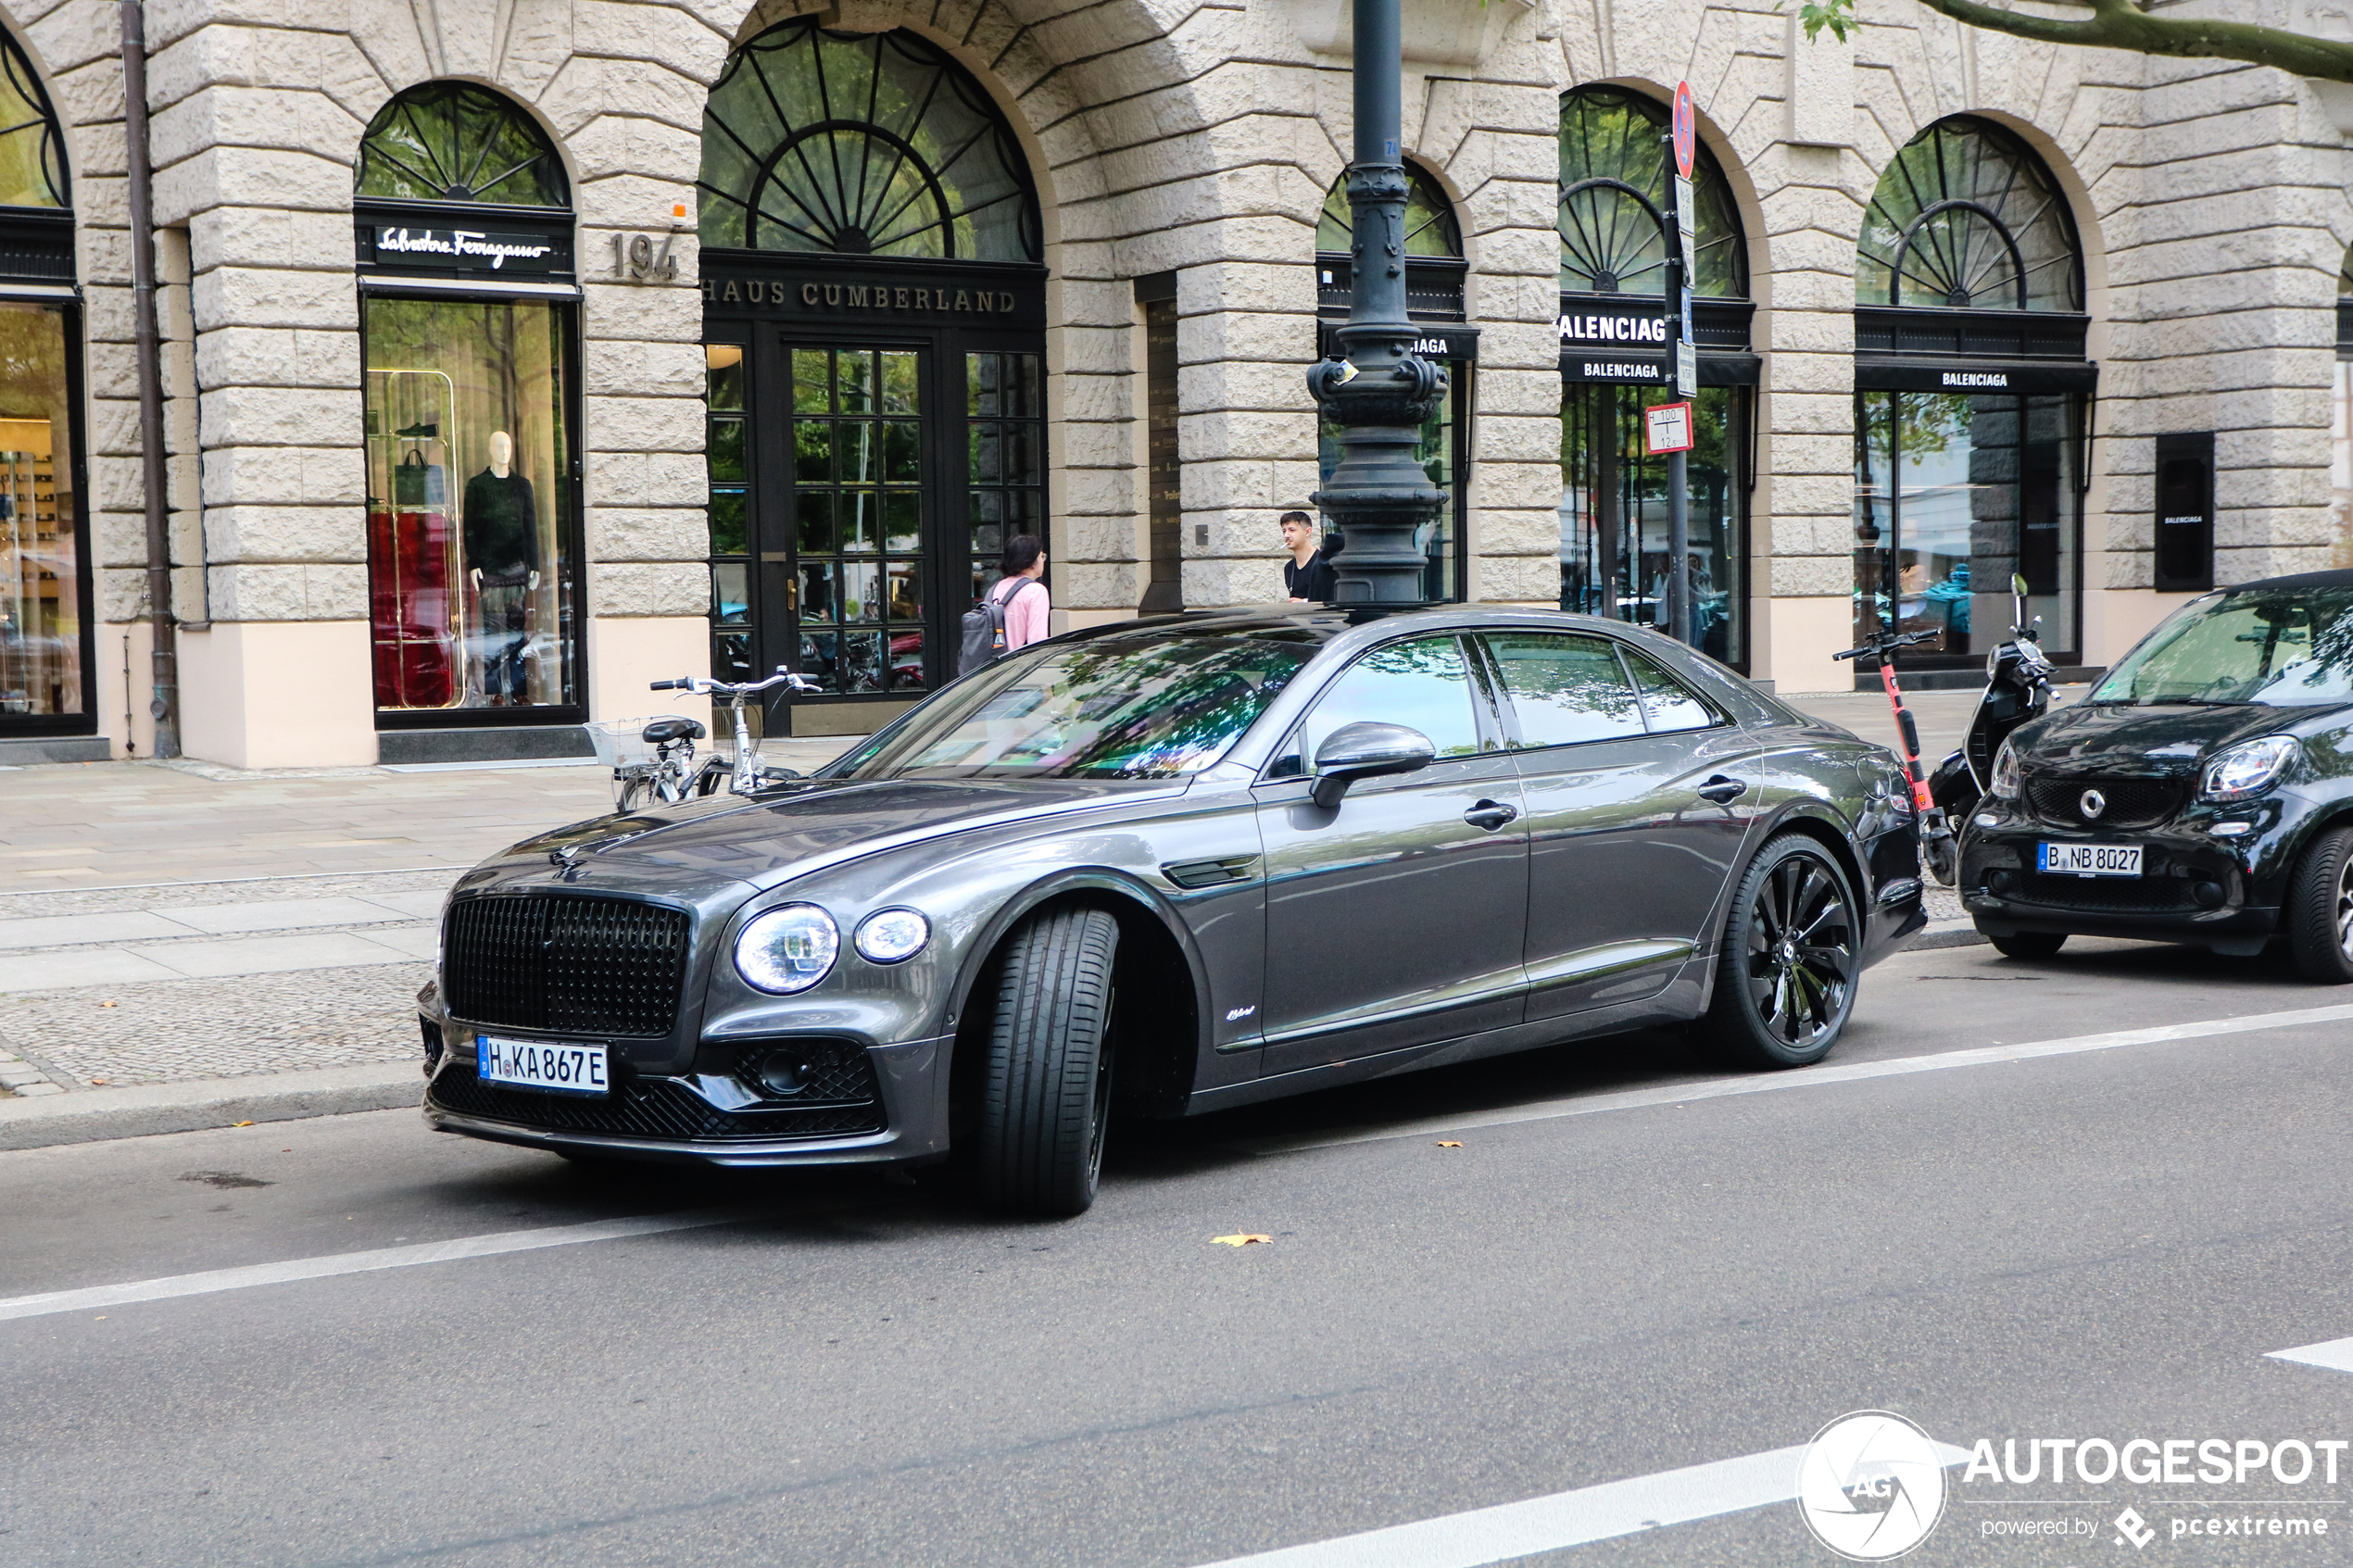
(1871, 1486)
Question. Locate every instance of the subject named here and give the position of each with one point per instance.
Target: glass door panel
(858, 508)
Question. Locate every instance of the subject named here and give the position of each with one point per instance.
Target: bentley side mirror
(1365, 750)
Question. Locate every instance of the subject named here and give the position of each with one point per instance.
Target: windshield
(1148, 705)
(2288, 646)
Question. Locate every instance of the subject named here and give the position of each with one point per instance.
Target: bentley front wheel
(1791, 952)
(1048, 1092)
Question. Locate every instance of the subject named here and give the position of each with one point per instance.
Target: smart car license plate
(549, 1066)
(2090, 860)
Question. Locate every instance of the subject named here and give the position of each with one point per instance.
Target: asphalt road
(2100, 1243)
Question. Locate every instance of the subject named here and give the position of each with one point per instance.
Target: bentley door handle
(1722, 790)
(1490, 815)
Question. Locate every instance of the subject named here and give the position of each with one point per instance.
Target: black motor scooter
(2018, 691)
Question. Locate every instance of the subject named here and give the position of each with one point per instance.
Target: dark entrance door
(892, 437)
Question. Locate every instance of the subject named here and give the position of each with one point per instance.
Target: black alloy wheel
(2319, 909)
(1791, 951)
(1046, 1099)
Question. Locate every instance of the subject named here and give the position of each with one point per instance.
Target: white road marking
(2335, 1354)
(1798, 1078)
(101, 1295)
(1564, 1519)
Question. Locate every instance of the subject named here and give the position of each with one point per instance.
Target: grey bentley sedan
(1169, 866)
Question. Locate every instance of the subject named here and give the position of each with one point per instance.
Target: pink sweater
(1025, 611)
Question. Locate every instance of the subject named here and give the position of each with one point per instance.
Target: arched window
(469, 390)
(1967, 219)
(454, 142)
(32, 159)
(861, 144)
(1613, 168)
(1430, 229)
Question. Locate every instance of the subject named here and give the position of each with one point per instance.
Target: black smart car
(1176, 865)
(2203, 793)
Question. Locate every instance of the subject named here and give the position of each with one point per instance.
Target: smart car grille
(567, 964)
(2132, 803)
(653, 1107)
(2146, 895)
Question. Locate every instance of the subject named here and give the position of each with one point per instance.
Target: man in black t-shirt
(1308, 578)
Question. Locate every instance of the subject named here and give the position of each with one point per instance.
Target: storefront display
(1615, 560)
(47, 647)
(467, 396)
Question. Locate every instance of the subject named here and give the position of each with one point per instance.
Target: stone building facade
(1091, 315)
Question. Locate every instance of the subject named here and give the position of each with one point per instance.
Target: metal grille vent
(653, 1107)
(573, 965)
(2132, 803)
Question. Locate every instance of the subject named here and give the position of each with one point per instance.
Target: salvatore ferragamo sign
(892, 298)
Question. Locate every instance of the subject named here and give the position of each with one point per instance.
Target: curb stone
(93, 1115)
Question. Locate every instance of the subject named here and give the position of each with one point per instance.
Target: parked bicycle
(669, 774)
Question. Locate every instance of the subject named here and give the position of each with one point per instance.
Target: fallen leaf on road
(1447, 1145)
(1238, 1240)
(110, 1004)
(241, 1123)
(97, 1080)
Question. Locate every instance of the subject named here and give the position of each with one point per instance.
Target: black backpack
(985, 627)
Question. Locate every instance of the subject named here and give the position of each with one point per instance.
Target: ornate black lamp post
(1377, 392)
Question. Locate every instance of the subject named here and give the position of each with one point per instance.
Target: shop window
(46, 639)
(1615, 559)
(1967, 275)
(2341, 426)
(466, 329)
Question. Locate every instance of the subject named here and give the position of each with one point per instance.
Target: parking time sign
(1668, 427)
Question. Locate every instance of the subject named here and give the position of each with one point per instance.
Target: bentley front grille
(565, 964)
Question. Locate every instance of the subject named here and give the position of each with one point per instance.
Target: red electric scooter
(1937, 845)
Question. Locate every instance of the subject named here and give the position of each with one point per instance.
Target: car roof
(1325, 622)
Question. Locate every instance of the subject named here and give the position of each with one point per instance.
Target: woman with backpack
(1013, 613)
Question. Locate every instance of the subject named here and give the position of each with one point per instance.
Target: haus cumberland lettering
(861, 297)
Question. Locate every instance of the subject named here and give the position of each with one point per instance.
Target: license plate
(2090, 860)
(549, 1066)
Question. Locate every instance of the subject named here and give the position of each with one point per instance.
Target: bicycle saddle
(661, 732)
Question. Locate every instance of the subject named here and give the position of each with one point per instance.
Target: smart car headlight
(2249, 768)
(891, 936)
(2006, 781)
(788, 949)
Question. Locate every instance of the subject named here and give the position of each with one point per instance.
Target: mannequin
(501, 537)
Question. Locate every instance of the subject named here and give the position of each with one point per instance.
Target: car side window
(1564, 688)
(1424, 683)
(1668, 703)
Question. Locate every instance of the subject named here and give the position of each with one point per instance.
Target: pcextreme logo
(1870, 1486)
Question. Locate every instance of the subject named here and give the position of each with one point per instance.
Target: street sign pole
(1375, 389)
(1685, 359)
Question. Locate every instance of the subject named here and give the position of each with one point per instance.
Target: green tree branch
(2122, 24)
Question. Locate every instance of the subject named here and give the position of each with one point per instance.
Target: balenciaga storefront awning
(1623, 338)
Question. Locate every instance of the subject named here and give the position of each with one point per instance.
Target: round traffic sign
(1686, 130)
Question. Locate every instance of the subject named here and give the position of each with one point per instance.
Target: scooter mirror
(2018, 583)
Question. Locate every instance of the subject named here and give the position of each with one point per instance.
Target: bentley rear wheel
(1791, 952)
(1048, 1092)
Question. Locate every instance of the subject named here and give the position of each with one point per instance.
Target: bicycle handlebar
(700, 686)
(1888, 643)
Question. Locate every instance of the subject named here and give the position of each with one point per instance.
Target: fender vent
(1191, 875)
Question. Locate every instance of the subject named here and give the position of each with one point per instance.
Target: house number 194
(635, 261)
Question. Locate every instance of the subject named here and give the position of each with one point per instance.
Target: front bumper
(2194, 887)
(700, 1118)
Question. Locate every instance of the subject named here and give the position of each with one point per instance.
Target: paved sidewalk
(170, 929)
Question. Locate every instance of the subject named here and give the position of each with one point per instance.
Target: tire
(1784, 1003)
(2028, 944)
(1047, 1096)
(2319, 913)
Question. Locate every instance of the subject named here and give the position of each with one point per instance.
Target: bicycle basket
(620, 743)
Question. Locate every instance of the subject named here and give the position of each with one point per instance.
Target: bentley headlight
(787, 949)
(891, 936)
(2248, 768)
(2006, 781)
